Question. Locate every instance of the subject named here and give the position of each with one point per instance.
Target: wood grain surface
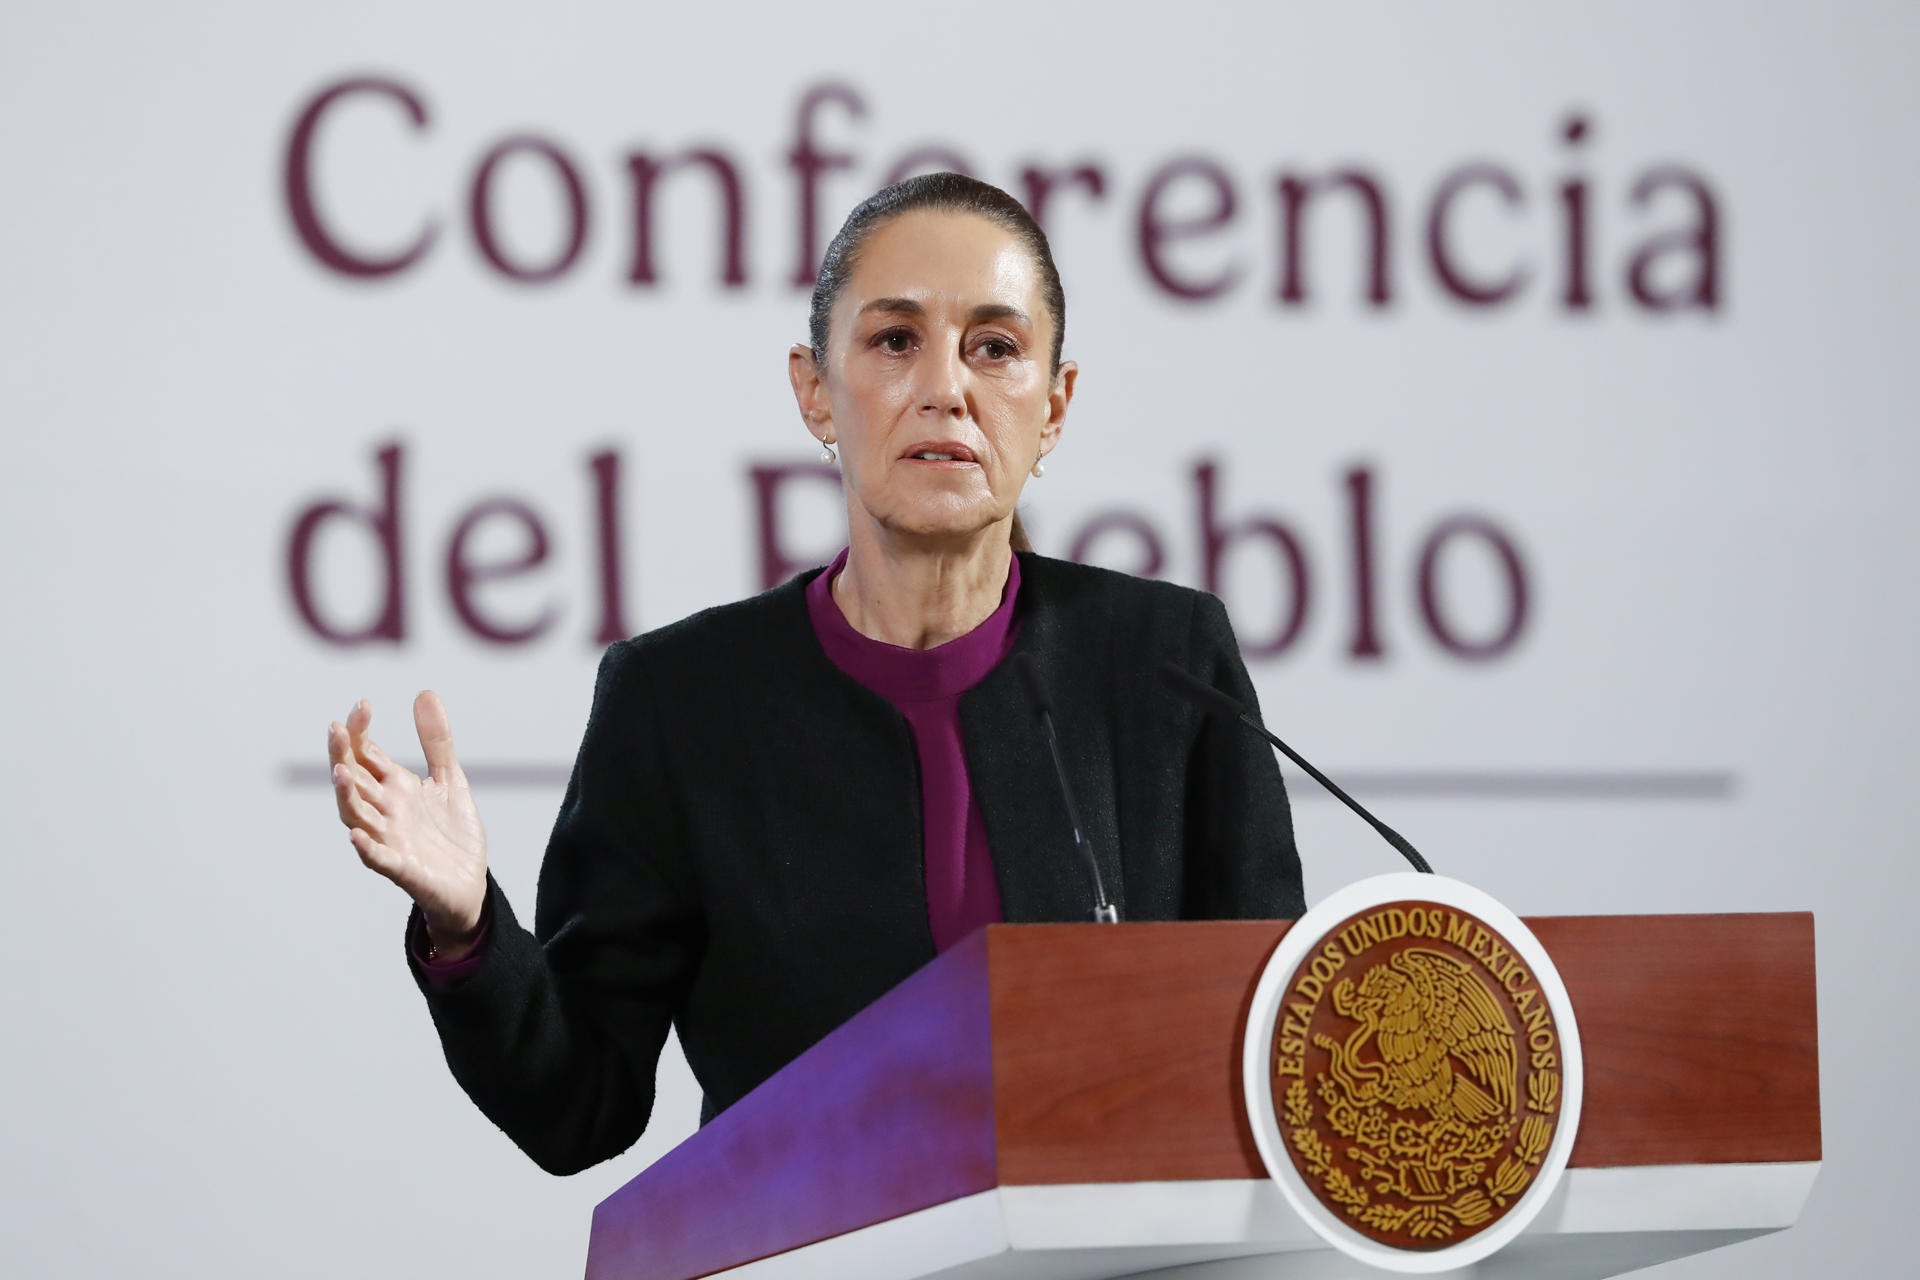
(1116, 1050)
(1701, 1036)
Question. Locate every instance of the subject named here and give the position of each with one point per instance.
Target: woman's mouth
(942, 451)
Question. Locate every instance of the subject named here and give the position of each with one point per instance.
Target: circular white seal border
(1305, 936)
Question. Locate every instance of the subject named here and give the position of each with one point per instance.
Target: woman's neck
(900, 592)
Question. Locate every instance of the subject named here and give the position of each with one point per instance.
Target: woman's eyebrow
(999, 311)
(895, 306)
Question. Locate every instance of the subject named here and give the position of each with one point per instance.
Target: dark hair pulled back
(949, 191)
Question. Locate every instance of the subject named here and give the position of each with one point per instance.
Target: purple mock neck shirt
(924, 686)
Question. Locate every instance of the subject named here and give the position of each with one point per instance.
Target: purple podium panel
(890, 1114)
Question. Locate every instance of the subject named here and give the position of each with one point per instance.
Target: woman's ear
(1058, 398)
(810, 392)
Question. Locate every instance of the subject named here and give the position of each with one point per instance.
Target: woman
(784, 806)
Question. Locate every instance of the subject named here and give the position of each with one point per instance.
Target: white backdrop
(215, 1061)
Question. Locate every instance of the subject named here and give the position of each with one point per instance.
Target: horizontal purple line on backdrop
(1447, 784)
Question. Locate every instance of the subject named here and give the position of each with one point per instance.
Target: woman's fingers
(436, 737)
(377, 762)
(363, 782)
(339, 745)
(358, 718)
(381, 797)
(337, 764)
(365, 750)
(375, 855)
(356, 808)
(349, 743)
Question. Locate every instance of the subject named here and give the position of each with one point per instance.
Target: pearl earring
(1039, 468)
(827, 454)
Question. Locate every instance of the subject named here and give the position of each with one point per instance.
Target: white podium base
(1600, 1222)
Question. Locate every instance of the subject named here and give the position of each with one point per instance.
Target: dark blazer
(738, 852)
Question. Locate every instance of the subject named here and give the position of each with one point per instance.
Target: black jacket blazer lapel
(1041, 874)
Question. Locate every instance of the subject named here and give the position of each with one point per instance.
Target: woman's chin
(940, 522)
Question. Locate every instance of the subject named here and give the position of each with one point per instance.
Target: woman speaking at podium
(784, 806)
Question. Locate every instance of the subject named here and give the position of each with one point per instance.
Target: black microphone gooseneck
(1222, 704)
(1103, 911)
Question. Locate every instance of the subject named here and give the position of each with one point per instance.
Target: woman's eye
(896, 340)
(995, 349)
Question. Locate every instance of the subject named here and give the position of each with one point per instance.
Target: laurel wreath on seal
(1470, 1208)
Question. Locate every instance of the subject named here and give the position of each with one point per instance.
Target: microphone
(1103, 911)
(1225, 705)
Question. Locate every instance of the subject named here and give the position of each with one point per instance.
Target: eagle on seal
(1444, 1046)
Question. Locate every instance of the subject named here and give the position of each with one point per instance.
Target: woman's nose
(943, 389)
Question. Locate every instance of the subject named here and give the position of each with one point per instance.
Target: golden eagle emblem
(1416, 1074)
(1425, 1012)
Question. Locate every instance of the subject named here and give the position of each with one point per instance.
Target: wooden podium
(1065, 1101)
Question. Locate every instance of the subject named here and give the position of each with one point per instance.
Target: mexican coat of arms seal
(1415, 1067)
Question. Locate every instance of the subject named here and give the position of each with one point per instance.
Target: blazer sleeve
(1241, 860)
(556, 1033)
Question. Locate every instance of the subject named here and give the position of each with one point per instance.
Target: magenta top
(924, 686)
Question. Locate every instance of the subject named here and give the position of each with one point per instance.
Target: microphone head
(1200, 691)
(1030, 676)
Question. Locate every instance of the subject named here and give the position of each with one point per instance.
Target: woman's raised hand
(424, 834)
